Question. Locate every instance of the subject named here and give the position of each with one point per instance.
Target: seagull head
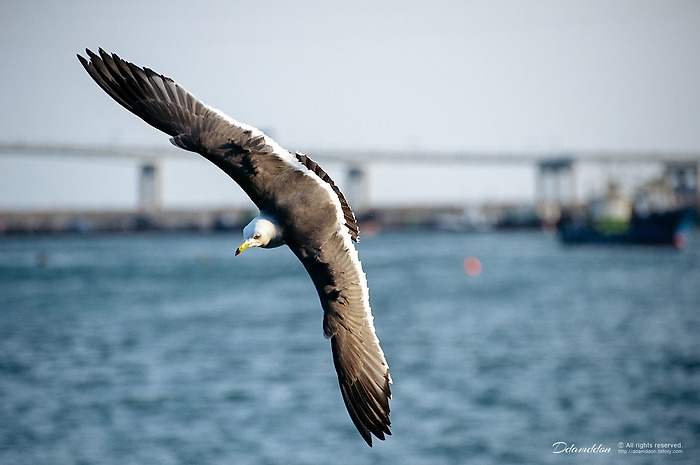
(263, 231)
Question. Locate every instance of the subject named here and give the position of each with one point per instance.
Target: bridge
(554, 183)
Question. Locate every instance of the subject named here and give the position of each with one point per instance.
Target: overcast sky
(518, 76)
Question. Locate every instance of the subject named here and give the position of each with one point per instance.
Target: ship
(652, 219)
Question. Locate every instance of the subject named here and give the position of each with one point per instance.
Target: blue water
(165, 349)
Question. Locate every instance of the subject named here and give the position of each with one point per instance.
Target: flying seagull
(299, 205)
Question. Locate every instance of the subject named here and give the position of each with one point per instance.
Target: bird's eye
(257, 236)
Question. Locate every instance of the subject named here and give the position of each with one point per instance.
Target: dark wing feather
(350, 221)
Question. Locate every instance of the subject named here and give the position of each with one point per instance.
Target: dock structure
(555, 178)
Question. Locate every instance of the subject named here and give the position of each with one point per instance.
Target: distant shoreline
(447, 218)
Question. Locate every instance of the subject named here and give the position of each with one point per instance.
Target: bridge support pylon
(357, 189)
(555, 187)
(150, 187)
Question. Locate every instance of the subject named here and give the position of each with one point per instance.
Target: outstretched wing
(245, 153)
(319, 232)
(363, 373)
(251, 158)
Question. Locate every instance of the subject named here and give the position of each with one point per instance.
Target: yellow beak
(242, 247)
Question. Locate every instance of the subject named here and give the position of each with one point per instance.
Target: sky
(499, 75)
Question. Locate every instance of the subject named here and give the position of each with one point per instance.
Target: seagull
(299, 206)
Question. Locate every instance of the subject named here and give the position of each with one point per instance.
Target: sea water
(165, 349)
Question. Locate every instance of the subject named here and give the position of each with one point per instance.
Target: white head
(263, 231)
